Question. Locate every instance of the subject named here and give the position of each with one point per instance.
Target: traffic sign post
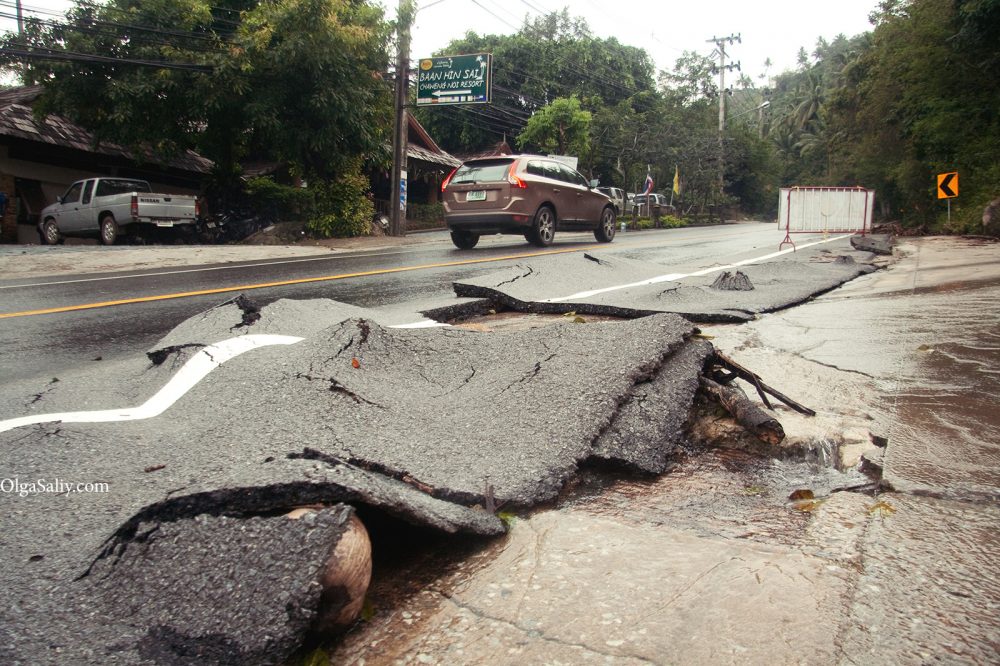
(458, 79)
(947, 188)
(947, 185)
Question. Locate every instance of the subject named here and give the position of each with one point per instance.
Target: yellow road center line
(285, 283)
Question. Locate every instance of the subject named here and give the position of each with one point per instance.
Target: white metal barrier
(824, 210)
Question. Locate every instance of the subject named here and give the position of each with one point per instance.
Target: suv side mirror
(594, 183)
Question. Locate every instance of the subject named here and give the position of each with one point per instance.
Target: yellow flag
(677, 180)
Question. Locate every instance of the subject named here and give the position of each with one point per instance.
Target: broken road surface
(438, 427)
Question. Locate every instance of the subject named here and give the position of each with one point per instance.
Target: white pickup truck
(105, 206)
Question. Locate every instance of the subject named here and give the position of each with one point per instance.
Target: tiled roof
(429, 151)
(418, 153)
(17, 120)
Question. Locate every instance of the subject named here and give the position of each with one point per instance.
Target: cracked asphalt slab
(582, 280)
(429, 425)
(454, 411)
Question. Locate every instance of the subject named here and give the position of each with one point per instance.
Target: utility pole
(20, 19)
(720, 47)
(397, 196)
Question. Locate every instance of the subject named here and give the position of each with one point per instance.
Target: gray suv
(528, 195)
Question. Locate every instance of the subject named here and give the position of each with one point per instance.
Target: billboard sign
(458, 79)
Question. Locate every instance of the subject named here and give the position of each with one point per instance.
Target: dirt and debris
(158, 356)
(250, 309)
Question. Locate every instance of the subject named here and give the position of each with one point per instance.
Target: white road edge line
(670, 277)
(197, 368)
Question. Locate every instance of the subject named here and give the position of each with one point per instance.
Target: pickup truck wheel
(49, 233)
(109, 230)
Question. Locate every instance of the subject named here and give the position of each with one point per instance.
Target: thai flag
(648, 185)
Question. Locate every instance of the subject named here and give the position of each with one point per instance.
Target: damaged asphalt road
(582, 282)
(188, 559)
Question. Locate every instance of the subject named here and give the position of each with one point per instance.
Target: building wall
(8, 223)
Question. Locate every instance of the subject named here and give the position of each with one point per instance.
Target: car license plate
(164, 224)
(476, 195)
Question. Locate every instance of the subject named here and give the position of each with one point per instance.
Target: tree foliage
(297, 81)
(891, 108)
(551, 57)
(562, 128)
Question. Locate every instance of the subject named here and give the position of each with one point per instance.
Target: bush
(666, 222)
(424, 216)
(425, 212)
(277, 201)
(342, 207)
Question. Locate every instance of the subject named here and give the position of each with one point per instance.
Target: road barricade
(824, 210)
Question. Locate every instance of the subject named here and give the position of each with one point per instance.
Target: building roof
(420, 146)
(17, 119)
(499, 149)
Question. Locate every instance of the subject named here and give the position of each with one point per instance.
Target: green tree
(927, 103)
(299, 81)
(562, 127)
(550, 57)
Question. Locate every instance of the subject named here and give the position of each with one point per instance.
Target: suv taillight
(447, 180)
(513, 179)
(197, 208)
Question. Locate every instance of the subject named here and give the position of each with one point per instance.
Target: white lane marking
(196, 369)
(670, 277)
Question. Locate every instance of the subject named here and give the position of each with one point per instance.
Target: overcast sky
(772, 29)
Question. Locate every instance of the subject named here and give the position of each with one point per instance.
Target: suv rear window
(487, 171)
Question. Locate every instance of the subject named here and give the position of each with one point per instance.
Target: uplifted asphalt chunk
(877, 244)
(649, 426)
(184, 490)
(241, 316)
(455, 413)
(238, 590)
(432, 426)
(607, 285)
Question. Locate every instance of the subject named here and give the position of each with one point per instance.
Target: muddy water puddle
(945, 438)
(718, 493)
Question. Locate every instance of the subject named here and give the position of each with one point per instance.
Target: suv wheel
(605, 233)
(464, 240)
(543, 228)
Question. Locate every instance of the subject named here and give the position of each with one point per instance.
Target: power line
(35, 53)
(493, 14)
